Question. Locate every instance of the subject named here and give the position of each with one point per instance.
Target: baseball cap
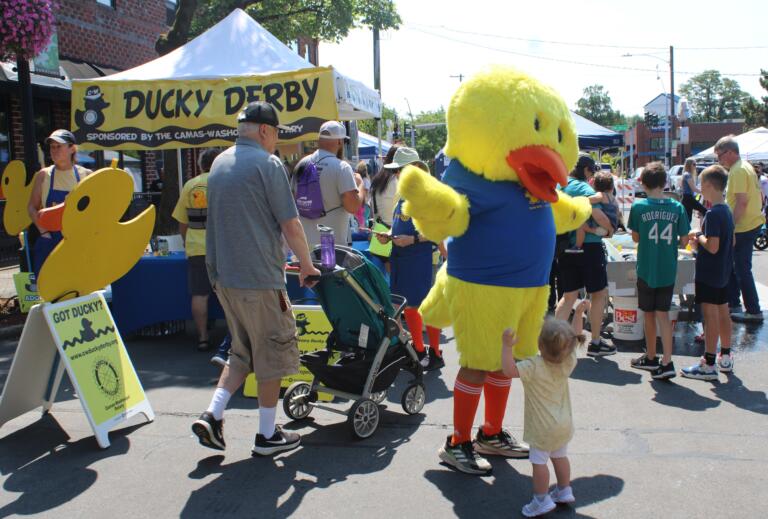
(333, 130)
(403, 157)
(585, 161)
(260, 112)
(62, 137)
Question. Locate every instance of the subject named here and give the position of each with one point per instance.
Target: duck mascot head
(512, 141)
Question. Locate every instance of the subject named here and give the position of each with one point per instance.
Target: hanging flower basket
(26, 27)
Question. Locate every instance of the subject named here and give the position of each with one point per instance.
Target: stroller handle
(400, 302)
(294, 270)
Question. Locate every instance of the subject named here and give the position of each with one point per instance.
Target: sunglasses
(721, 154)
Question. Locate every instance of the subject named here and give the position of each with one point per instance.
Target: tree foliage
(429, 141)
(370, 126)
(714, 98)
(596, 105)
(327, 20)
(756, 112)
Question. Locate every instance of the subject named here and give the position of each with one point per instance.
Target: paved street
(680, 449)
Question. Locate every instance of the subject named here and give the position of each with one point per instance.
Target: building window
(108, 3)
(5, 134)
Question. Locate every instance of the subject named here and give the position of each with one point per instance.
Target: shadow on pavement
(604, 371)
(676, 395)
(275, 486)
(742, 397)
(505, 493)
(46, 470)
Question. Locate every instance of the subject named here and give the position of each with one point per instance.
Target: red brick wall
(120, 38)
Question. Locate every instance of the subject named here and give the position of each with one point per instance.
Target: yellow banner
(151, 115)
(99, 363)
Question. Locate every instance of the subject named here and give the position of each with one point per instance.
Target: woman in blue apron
(52, 185)
(411, 268)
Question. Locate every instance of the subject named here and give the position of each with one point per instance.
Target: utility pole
(671, 92)
(459, 76)
(377, 80)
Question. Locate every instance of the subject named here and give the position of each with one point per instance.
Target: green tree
(370, 126)
(327, 20)
(595, 104)
(756, 112)
(713, 97)
(430, 139)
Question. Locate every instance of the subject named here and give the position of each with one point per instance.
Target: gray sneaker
(745, 317)
(463, 458)
(501, 444)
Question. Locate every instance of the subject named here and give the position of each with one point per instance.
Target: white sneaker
(564, 495)
(536, 508)
(725, 363)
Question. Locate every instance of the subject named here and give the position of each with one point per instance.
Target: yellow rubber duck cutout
(16, 191)
(513, 141)
(96, 248)
(199, 199)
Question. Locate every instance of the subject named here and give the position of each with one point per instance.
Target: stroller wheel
(414, 398)
(761, 242)
(379, 397)
(296, 401)
(364, 417)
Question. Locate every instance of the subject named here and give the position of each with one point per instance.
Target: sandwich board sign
(78, 335)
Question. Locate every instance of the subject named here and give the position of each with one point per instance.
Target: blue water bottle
(327, 247)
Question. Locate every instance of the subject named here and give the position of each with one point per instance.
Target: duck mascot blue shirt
(512, 141)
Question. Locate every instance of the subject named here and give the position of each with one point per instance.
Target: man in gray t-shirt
(250, 209)
(337, 184)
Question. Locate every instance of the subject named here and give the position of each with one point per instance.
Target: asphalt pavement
(683, 448)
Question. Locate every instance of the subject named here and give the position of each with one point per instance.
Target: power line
(568, 61)
(580, 44)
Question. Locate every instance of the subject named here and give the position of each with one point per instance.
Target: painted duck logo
(92, 117)
(87, 334)
(302, 325)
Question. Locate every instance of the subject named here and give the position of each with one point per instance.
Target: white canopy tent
(239, 46)
(753, 146)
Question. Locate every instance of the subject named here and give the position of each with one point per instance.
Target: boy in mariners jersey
(658, 226)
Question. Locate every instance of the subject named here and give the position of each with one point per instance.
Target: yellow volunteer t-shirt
(548, 418)
(743, 179)
(194, 195)
(63, 178)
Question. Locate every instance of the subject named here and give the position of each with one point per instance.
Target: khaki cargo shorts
(263, 332)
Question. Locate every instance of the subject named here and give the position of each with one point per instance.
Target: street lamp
(671, 106)
(413, 128)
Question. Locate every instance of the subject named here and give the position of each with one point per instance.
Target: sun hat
(403, 157)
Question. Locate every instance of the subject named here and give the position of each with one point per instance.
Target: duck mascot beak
(50, 217)
(540, 169)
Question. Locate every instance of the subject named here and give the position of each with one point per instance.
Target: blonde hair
(690, 167)
(558, 340)
(362, 168)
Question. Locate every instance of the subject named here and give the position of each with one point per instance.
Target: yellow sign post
(92, 352)
(312, 329)
(168, 114)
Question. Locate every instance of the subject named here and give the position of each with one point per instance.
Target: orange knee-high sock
(466, 397)
(415, 325)
(434, 340)
(496, 391)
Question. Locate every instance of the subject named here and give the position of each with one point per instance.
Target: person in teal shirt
(659, 225)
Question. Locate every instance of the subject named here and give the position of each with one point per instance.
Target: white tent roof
(239, 46)
(753, 145)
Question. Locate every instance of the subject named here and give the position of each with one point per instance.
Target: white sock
(219, 402)
(595, 341)
(267, 421)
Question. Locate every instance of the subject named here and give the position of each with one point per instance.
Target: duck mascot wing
(97, 248)
(512, 141)
(16, 191)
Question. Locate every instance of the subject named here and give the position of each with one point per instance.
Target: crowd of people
(245, 211)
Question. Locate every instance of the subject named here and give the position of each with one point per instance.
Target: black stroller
(366, 350)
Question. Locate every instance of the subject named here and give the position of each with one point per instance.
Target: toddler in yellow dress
(548, 417)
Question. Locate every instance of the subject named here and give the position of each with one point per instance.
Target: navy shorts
(711, 295)
(651, 299)
(197, 276)
(584, 270)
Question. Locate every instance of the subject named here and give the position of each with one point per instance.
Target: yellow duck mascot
(97, 248)
(512, 141)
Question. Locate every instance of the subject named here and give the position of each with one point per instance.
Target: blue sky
(440, 39)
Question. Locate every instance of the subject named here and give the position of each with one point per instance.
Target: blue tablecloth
(154, 291)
